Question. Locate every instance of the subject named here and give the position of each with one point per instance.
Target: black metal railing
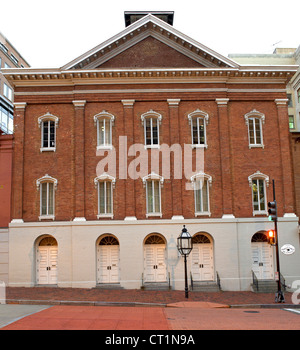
(254, 281)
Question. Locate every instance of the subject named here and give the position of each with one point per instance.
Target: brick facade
(114, 80)
(228, 158)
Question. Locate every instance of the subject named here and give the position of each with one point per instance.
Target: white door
(47, 264)
(202, 262)
(262, 260)
(155, 264)
(108, 264)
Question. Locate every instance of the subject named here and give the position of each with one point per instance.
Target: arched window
(105, 184)
(47, 186)
(258, 182)
(48, 124)
(254, 121)
(151, 121)
(198, 121)
(104, 122)
(153, 184)
(201, 183)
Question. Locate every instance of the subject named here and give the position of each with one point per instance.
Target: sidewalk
(125, 297)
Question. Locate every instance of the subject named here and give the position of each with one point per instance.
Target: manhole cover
(252, 312)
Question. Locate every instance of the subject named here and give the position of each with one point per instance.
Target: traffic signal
(272, 210)
(271, 237)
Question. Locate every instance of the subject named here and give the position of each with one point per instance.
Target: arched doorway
(262, 256)
(46, 261)
(202, 264)
(108, 260)
(155, 267)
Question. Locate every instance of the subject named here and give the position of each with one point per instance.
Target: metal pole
(279, 296)
(185, 275)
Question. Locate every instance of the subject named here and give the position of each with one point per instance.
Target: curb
(266, 306)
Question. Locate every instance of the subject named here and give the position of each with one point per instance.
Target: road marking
(293, 310)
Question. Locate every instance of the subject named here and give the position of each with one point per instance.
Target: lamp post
(184, 246)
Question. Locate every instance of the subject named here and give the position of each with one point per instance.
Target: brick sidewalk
(17, 294)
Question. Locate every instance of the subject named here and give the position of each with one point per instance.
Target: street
(184, 317)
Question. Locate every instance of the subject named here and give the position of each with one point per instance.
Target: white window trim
(255, 114)
(202, 115)
(47, 117)
(153, 177)
(259, 176)
(46, 179)
(7, 92)
(151, 114)
(106, 116)
(198, 177)
(108, 179)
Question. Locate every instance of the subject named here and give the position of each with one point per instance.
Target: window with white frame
(105, 184)
(153, 184)
(254, 121)
(104, 122)
(48, 124)
(258, 183)
(7, 92)
(201, 183)
(47, 186)
(151, 121)
(198, 120)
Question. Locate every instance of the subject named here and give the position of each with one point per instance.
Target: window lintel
(150, 114)
(48, 116)
(258, 175)
(46, 178)
(104, 114)
(153, 176)
(104, 177)
(254, 113)
(198, 113)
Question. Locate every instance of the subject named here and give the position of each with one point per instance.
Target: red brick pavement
(17, 294)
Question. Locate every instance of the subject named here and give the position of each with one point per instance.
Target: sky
(49, 34)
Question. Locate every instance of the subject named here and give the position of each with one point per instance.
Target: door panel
(155, 263)
(202, 266)
(108, 264)
(47, 257)
(262, 260)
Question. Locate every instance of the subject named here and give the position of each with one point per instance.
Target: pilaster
(177, 211)
(286, 159)
(129, 187)
(79, 134)
(225, 155)
(18, 161)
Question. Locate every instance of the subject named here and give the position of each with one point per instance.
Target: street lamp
(184, 246)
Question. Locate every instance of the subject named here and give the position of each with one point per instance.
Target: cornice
(48, 77)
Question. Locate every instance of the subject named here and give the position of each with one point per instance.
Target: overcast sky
(49, 34)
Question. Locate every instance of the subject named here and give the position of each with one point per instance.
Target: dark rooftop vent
(131, 17)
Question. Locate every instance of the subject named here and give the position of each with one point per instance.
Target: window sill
(199, 145)
(153, 215)
(152, 146)
(256, 146)
(105, 147)
(105, 216)
(48, 149)
(202, 213)
(46, 217)
(258, 212)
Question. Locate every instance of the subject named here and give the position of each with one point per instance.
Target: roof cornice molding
(30, 76)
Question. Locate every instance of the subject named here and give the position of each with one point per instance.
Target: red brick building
(89, 205)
